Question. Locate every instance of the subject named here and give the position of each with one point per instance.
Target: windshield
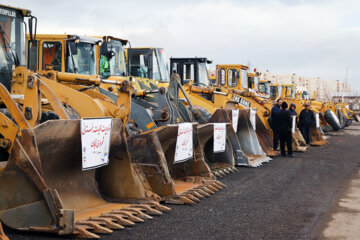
(203, 74)
(81, 58)
(160, 64)
(305, 95)
(117, 63)
(279, 91)
(256, 83)
(12, 38)
(244, 79)
(12, 41)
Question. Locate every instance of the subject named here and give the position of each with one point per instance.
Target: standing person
(292, 110)
(306, 121)
(274, 122)
(285, 124)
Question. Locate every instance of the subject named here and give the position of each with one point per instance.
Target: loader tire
(204, 112)
(332, 119)
(343, 120)
(50, 115)
(348, 122)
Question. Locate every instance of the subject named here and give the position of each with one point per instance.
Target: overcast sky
(311, 38)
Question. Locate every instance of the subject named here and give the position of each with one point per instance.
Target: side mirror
(73, 48)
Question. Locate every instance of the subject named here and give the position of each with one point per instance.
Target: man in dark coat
(285, 124)
(274, 122)
(306, 121)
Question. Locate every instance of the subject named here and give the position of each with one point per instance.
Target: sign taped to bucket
(253, 118)
(235, 118)
(317, 118)
(219, 137)
(95, 142)
(184, 143)
(293, 124)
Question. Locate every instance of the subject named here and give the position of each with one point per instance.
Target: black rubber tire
(342, 120)
(330, 117)
(348, 122)
(204, 112)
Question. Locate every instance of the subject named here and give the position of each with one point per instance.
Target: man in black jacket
(274, 122)
(306, 121)
(285, 125)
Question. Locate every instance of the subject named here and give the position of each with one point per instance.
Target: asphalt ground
(288, 198)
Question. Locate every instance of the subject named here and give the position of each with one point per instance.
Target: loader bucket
(265, 138)
(317, 138)
(43, 187)
(245, 136)
(249, 140)
(177, 183)
(298, 143)
(221, 163)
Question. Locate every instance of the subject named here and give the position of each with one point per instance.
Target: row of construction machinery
(172, 133)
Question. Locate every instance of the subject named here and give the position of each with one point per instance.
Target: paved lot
(288, 198)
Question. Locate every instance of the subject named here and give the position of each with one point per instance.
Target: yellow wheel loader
(43, 186)
(196, 89)
(187, 109)
(152, 152)
(151, 63)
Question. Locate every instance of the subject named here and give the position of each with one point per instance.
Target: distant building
(325, 89)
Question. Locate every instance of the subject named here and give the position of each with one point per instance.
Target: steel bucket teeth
(81, 231)
(118, 218)
(160, 207)
(196, 194)
(138, 212)
(107, 223)
(95, 225)
(187, 200)
(220, 184)
(206, 189)
(192, 197)
(212, 188)
(202, 192)
(130, 215)
(148, 209)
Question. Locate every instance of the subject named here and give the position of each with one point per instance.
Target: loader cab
(275, 90)
(63, 53)
(112, 61)
(191, 70)
(148, 63)
(233, 76)
(12, 41)
(290, 91)
(253, 81)
(264, 87)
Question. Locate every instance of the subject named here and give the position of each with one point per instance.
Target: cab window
(32, 56)
(222, 77)
(51, 55)
(232, 75)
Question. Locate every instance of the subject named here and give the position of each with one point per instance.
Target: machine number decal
(241, 101)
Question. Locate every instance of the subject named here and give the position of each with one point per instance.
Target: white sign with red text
(317, 118)
(293, 126)
(95, 142)
(219, 137)
(253, 118)
(184, 142)
(235, 118)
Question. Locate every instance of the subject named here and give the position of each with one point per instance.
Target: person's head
(307, 106)
(292, 106)
(284, 105)
(279, 102)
